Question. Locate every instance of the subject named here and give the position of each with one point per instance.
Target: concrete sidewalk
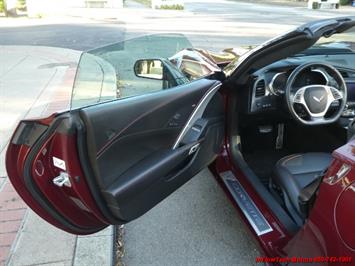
(35, 82)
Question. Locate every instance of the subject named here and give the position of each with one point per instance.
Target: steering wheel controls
(317, 99)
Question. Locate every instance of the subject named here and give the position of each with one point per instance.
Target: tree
(344, 2)
(21, 5)
(2, 6)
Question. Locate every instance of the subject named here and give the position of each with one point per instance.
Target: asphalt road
(72, 33)
(197, 225)
(209, 24)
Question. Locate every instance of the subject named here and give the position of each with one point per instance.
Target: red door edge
(30, 167)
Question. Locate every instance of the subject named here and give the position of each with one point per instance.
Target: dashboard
(267, 85)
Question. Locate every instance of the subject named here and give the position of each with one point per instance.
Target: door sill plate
(246, 204)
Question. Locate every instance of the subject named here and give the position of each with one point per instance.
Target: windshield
(338, 49)
(343, 42)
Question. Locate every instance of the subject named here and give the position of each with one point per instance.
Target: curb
(118, 246)
(13, 211)
(114, 259)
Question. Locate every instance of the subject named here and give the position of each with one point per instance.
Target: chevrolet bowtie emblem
(318, 99)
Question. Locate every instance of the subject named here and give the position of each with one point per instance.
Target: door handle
(194, 148)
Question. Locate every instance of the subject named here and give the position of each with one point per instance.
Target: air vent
(260, 88)
(344, 74)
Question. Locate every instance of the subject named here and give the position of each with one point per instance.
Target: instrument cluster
(268, 86)
(278, 83)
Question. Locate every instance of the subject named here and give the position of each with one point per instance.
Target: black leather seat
(294, 172)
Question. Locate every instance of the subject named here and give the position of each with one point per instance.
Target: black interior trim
(28, 133)
(270, 201)
(90, 177)
(126, 147)
(264, 193)
(138, 180)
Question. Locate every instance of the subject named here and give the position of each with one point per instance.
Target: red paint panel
(75, 202)
(15, 157)
(345, 216)
(329, 230)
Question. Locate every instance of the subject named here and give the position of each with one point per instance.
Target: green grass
(172, 7)
(145, 2)
(148, 3)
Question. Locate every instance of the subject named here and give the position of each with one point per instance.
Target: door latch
(62, 180)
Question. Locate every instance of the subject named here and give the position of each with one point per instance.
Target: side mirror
(149, 68)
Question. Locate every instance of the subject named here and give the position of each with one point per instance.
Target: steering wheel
(316, 99)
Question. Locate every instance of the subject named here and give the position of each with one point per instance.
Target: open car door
(108, 161)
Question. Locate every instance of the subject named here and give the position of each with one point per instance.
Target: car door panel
(132, 162)
(118, 157)
(30, 168)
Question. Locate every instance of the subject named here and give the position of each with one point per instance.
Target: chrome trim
(271, 84)
(62, 180)
(197, 113)
(331, 92)
(253, 215)
(194, 148)
(324, 74)
(342, 172)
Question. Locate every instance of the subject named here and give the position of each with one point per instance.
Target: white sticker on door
(59, 163)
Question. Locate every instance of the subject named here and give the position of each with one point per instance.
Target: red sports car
(275, 126)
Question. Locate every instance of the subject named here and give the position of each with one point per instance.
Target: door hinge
(62, 180)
